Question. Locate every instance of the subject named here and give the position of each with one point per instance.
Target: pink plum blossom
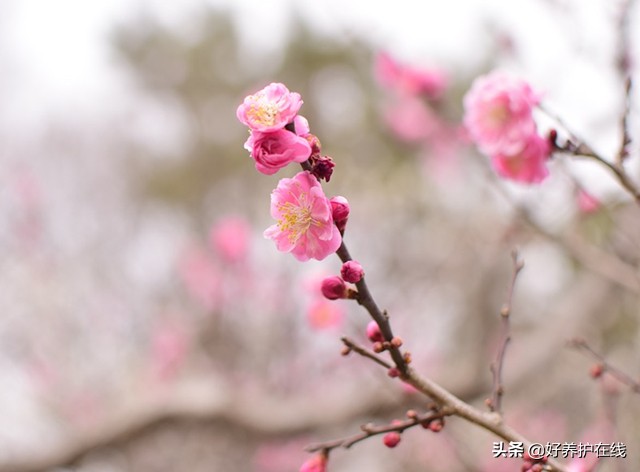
(498, 113)
(201, 277)
(273, 151)
(317, 463)
(230, 238)
(411, 120)
(526, 166)
(269, 109)
(304, 219)
(407, 79)
(587, 203)
(322, 314)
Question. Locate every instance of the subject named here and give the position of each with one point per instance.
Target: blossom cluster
(308, 224)
(499, 119)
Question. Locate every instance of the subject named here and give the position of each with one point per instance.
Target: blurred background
(146, 325)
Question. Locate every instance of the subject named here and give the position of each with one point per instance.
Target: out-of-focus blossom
(304, 219)
(498, 113)
(527, 165)
(317, 463)
(407, 79)
(230, 237)
(410, 119)
(322, 314)
(269, 109)
(201, 277)
(168, 350)
(587, 203)
(274, 150)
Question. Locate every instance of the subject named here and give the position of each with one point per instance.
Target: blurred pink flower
(269, 109)
(273, 151)
(527, 165)
(317, 463)
(201, 277)
(304, 219)
(587, 203)
(407, 79)
(410, 119)
(169, 346)
(230, 238)
(322, 314)
(498, 113)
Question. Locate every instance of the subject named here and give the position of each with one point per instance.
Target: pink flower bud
(373, 332)
(317, 463)
(340, 211)
(334, 288)
(352, 272)
(391, 439)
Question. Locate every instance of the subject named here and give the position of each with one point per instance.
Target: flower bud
(322, 167)
(393, 372)
(352, 272)
(334, 288)
(340, 212)
(317, 463)
(391, 439)
(373, 332)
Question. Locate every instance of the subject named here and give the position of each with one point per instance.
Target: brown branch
(352, 345)
(605, 366)
(624, 67)
(576, 146)
(370, 430)
(495, 402)
(588, 255)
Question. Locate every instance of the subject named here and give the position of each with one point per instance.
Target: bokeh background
(145, 323)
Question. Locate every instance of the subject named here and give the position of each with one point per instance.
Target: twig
(352, 345)
(616, 373)
(495, 402)
(370, 430)
(624, 67)
(576, 146)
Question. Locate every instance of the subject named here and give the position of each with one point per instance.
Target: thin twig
(370, 430)
(616, 373)
(576, 146)
(351, 344)
(624, 67)
(495, 402)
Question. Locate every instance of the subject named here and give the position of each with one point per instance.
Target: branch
(576, 146)
(370, 430)
(604, 366)
(624, 68)
(495, 402)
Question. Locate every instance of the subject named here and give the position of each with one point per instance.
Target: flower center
(295, 218)
(497, 116)
(262, 111)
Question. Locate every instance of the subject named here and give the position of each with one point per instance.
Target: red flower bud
(340, 211)
(352, 272)
(334, 288)
(391, 439)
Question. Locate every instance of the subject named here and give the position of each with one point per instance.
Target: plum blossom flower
(587, 203)
(526, 166)
(407, 79)
(230, 237)
(317, 463)
(269, 109)
(498, 113)
(304, 219)
(273, 151)
(322, 314)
